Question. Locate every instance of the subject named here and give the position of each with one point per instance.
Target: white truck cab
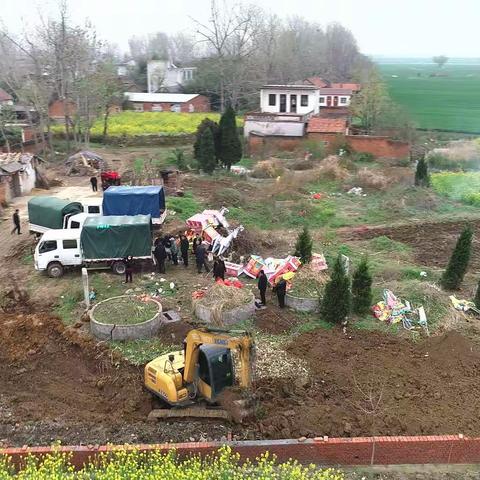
(76, 221)
(57, 248)
(92, 206)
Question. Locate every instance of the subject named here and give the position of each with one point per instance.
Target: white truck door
(70, 252)
(46, 252)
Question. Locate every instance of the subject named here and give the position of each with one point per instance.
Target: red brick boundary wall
(384, 147)
(446, 449)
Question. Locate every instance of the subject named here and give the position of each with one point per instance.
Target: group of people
(280, 289)
(168, 248)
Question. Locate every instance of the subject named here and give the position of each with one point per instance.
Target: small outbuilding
(18, 175)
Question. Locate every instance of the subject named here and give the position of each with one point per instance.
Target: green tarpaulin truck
(102, 242)
(45, 213)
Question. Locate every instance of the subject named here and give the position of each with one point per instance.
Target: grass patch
(125, 311)
(67, 306)
(140, 352)
(456, 185)
(450, 102)
(386, 244)
(313, 324)
(246, 162)
(185, 206)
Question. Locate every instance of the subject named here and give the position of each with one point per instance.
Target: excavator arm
(234, 340)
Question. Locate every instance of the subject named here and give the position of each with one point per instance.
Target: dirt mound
(274, 320)
(369, 383)
(422, 237)
(174, 333)
(56, 373)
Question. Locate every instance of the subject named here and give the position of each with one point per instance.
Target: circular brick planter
(301, 304)
(227, 317)
(112, 331)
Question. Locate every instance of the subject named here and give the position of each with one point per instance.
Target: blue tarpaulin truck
(124, 200)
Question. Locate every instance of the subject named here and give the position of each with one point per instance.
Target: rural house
(168, 102)
(5, 98)
(302, 99)
(163, 75)
(333, 95)
(18, 175)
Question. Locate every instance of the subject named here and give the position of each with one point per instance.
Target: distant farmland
(445, 103)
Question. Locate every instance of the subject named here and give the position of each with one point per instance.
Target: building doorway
(335, 101)
(283, 103)
(293, 104)
(329, 101)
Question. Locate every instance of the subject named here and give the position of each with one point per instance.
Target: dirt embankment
(58, 384)
(371, 383)
(432, 242)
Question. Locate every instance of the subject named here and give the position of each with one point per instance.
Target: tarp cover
(134, 201)
(116, 237)
(49, 212)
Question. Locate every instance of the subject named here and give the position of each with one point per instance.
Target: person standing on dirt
(281, 290)
(262, 286)
(201, 258)
(16, 222)
(94, 183)
(174, 250)
(196, 242)
(160, 256)
(219, 269)
(128, 261)
(184, 245)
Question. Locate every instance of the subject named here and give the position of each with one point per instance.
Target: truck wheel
(55, 270)
(118, 268)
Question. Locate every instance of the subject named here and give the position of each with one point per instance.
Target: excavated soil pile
(375, 384)
(422, 237)
(58, 384)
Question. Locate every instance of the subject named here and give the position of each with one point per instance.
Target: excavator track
(189, 412)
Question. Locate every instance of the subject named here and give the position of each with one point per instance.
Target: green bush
(126, 464)
(178, 157)
(363, 157)
(316, 148)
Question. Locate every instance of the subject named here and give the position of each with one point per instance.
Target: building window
(322, 100)
(343, 100)
(187, 75)
(138, 107)
(304, 100)
(176, 107)
(157, 107)
(272, 99)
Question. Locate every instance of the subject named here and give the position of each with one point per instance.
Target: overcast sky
(413, 28)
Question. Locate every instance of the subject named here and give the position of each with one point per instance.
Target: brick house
(168, 102)
(57, 108)
(326, 129)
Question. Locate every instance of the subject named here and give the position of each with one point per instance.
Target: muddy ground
(59, 384)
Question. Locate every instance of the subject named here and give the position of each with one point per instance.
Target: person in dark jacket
(262, 286)
(16, 222)
(219, 269)
(174, 250)
(94, 183)
(201, 258)
(281, 289)
(128, 261)
(184, 245)
(196, 242)
(167, 244)
(160, 256)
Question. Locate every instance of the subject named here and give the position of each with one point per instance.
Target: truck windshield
(47, 246)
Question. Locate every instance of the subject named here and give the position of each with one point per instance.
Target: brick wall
(446, 449)
(56, 111)
(384, 147)
(200, 104)
(258, 146)
(379, 146)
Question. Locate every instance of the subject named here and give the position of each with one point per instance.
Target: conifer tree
(230, 143)
(422, 177)
(336, 302)
(362, 288)
(458, 264)
(213, 126)
(205, 154)
(303, 247)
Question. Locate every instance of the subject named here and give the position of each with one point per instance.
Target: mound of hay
(372, 180)
(308, 283)
(331, 169)
(268, 169)
(219, 298)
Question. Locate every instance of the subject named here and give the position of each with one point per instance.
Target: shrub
(422, 177)
(332, 170)
(370, 179)
(458, 264)
(363, 157)
(230, 151)
(205, 152)
(336, 302)
(178, 157)
(215, 129)
(315, 148)
(362, 288)
(303, 247)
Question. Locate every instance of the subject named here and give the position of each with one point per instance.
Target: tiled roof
(317, 81)
(160, 97)
(327, 125)
(351, 86)
(4, 96)
(335, 91)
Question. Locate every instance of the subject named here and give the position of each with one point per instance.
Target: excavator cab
(215, 370)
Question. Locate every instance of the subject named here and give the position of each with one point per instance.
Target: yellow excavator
(202, 370)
